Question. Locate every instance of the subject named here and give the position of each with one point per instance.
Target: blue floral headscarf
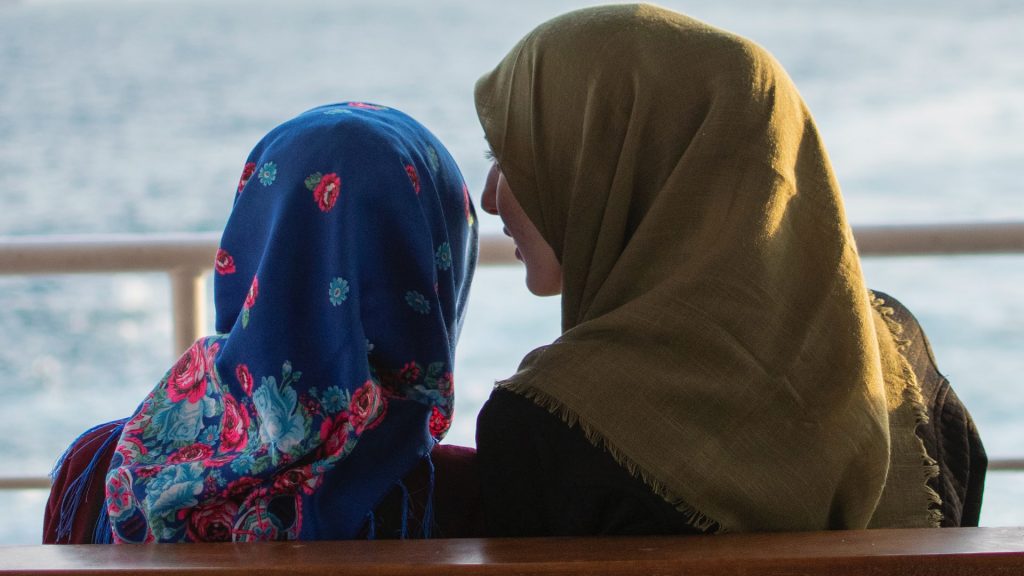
(340, 285)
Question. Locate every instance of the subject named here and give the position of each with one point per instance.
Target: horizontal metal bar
(25, 483)
(165, 252)
(106, 253)
(1006, 465)
(944, 239)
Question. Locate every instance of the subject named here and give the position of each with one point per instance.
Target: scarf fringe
(406, 503)
(103, 533)
(912, 394)
(371, 526)
(427, 524)
(76, 489)
(407, 529)
(694, 517)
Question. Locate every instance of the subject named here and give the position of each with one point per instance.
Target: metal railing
(187, 258)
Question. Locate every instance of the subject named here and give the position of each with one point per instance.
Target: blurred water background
(136, 116)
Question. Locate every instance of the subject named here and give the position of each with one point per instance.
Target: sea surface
(136, 116)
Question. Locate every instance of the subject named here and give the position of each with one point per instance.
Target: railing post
(188, 306)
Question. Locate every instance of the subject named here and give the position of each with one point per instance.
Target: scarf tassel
(428, 510)
(72, 496)
(426, 521)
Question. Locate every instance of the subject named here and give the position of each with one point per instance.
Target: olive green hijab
(718, 338)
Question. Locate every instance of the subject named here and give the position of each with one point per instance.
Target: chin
(544, 288)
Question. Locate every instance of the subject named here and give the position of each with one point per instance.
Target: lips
(519, 255)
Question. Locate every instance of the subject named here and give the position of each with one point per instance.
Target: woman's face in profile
(543, 271)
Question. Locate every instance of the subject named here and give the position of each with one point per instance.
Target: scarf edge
(912, 394)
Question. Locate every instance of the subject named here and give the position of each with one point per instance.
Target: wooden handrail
(959, 551)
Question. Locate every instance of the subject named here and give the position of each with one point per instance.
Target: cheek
(518, 226)
(511, 213)
(543, 272)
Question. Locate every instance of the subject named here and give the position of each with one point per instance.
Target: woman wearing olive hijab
(722, 366)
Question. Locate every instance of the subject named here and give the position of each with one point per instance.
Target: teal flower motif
(443, 256)
(178, 423)
(216, 478)
(174, 488)
(243, 463)
(435, 162)
(338, 291)
(281, 423)
(333, 400)
(335, 111)
(209, 435)
(267, 173)
(417, 302)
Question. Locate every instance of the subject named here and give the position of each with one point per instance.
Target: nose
(489, 197)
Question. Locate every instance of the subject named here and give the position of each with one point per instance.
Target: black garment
(540, 477)
(950, 436)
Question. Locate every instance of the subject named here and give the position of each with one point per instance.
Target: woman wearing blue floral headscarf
(340, 285)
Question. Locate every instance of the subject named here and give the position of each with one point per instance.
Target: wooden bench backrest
(954, 551)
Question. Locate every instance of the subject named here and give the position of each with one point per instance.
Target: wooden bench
(953, 551)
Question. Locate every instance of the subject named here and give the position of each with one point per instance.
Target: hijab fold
(718, 338)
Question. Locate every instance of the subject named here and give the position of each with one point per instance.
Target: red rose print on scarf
(212, 522)
(244, 378)
(244, 486)
(234, 431)
(191, 453)
(296, 480)
(334, 434)
(410, 372)
(187, 380)
(254, 292)
(326, 188)
(247, 173)
(413, 177)
(366, 106)
(367, 407)
(211, 353)
(131, 447)
(224, 263)
(250, 300)
(439, 423)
